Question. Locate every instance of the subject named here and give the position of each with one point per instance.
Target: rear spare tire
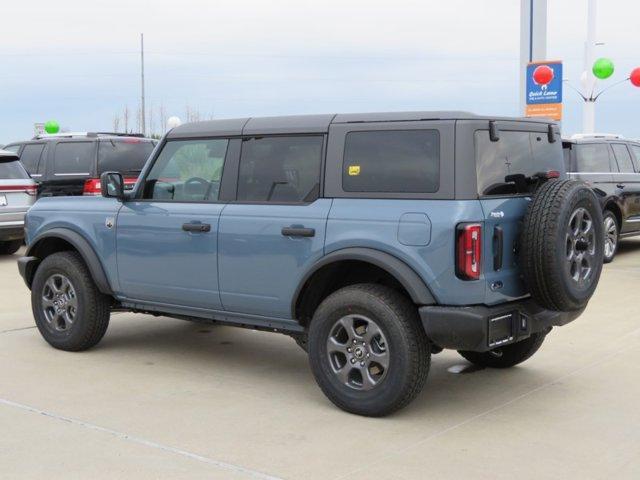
(561, 245)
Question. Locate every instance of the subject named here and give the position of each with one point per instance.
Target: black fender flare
(85, 250)
(408, 278)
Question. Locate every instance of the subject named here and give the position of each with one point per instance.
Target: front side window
(30, 156)
(392, 161)
(74, 158)
(593, 158)
(507, 166)
(623, 157)
(280, 169)
(187, 171)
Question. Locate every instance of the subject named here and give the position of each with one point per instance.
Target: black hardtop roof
(319, 123)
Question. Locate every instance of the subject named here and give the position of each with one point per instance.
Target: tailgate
(502, 224)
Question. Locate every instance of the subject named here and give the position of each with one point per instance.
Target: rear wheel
(507, 356)
(367, 349)
(70, 312)
(611, 233)
(10, 247)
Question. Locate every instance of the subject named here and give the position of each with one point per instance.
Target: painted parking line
(230, 467)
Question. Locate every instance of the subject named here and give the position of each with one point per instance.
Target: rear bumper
(480, 328)
(11, 230)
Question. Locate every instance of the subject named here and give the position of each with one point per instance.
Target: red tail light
(469, 251)
(92, 187)
(28, 189)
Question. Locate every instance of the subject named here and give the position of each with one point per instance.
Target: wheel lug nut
(354, 341)
(364, 344)
(368, 355)
(353, 360)
(362, 364)
(349, 349)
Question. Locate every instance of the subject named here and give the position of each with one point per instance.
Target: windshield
(124, 155)
(12, 171)
(509, 165)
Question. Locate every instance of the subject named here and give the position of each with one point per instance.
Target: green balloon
(603, 68)
(51, 127)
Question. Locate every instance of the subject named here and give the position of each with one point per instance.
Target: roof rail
(606, 136)
(87, 134)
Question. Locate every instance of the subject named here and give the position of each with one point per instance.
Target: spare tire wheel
(561, 245)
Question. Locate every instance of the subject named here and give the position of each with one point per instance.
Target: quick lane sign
(544, 90)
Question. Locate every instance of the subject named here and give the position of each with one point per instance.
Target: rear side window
(12, 171)
(516, 155)
(74, 158)
(280, 169)
(126, 156)
(636, 151)
(393, 161)
(12, 148)
(593, 158)
(623, 157)
(30, 156)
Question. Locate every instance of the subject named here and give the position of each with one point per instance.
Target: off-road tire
(509, 355)
(407, 346)
(608, 214)
(544, 241)
(10, 247)
(93, 308)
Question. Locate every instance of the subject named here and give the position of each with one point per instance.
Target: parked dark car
(71, 163)
(611, 165)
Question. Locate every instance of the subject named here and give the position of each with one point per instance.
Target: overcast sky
(77, 61)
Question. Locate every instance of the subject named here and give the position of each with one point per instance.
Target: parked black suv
(611, 165)
(71, 163)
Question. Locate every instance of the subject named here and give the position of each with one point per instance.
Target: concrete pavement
(163, 398)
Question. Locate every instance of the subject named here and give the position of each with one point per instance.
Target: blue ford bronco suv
(375, 240)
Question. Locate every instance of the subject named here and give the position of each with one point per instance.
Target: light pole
(589, 105)
(142, 106)
(533, 40)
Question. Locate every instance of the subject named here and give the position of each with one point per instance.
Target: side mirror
(112, 185)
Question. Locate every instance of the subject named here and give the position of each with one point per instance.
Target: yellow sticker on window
(354, 170)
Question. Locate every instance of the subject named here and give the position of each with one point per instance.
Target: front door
(167, 238)
(627, 183)
(275, 229)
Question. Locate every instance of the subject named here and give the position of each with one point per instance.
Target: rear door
(31, 158)
(520, 153)
(275, 228)
(627, 182)
(69, 165)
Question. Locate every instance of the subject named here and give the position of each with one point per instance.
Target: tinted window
(623, 157)
(126, 156)
(30, 156)
(593, 157)
(636, 151)
(187, 171)
(402, 161)
(12, 171)
(12, 148)
(74, 158)
(522, 154)
(280, 169)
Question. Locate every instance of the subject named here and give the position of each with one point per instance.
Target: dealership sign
(544, 90)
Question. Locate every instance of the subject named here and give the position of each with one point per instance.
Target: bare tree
(138, 120)
(126, 119)
(163, 118)
(151, 124)
(116, 123)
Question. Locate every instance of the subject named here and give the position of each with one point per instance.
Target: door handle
(498, 245)
(196, 227)
(620, 186)
(298, 232)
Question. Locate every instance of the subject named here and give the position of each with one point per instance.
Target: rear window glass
(126, 156)
(74, 158)
(593, 157)
(394, 161)
(625, 164)
(516, 155)
(30, 156)
(12, 171)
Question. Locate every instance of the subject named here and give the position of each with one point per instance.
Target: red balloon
(635, 77)
(543, 75)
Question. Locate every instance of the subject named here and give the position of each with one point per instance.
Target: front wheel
(507, 356)
(367, 350)
(611, 233)
(70, 312)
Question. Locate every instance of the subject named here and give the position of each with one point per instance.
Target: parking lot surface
(164, 398)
